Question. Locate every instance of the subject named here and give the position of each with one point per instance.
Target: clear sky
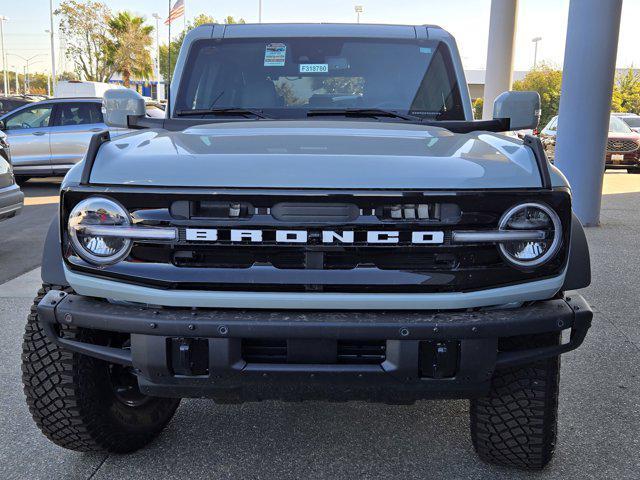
(467, 20)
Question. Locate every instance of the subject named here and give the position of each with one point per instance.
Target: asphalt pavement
(599, 405)
(22, 237)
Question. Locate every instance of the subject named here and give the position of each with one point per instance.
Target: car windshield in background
(9, 105)
(287, 78)
(618, 126)
(633, 122)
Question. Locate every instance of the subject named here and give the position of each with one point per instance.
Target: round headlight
(532, 217)
(98, 249)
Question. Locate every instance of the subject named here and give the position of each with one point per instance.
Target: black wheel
(516, 424)
(85, 404)
(21, 179)
(635, 170)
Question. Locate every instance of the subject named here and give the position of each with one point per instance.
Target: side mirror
(521, 108)
(2, 125)
(118, 104)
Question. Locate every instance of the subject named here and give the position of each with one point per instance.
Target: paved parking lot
(599, 405)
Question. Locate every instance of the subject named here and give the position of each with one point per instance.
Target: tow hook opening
(439, 358)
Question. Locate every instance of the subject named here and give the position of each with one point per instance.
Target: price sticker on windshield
(275, 55)
(314, 68)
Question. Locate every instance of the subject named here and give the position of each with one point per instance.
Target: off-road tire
(71, 398)
(516, 424)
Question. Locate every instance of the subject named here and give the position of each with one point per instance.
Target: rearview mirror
(521, 108)
(118, 104)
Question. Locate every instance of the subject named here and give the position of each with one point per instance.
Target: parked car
(622, 150)
(154, 109)
(11, 198)
(47, 138)
(314, 222)
(81, 89)
(11, 102)
(633, 121)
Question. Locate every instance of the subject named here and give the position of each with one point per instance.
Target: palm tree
(129, 46)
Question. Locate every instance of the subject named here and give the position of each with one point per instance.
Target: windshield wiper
(222, 111)
(361, 112)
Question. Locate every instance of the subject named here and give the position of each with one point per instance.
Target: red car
(623, 147)
(622, 150)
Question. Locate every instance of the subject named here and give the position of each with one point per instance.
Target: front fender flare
(579, 266)
(52, 270)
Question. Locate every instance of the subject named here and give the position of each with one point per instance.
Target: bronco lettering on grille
(345, 237)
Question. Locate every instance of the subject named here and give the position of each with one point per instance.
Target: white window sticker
(314, 68)
(275, 55)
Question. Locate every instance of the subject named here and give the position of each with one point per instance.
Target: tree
(626, 93)
(175, 45)
(478, 103)
(128, 47)
(85, 26)
(547, 81)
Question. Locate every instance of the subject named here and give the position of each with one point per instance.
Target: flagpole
(184, 18)
(169, 70)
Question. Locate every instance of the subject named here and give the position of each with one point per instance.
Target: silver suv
(318, 217)
(49, 137)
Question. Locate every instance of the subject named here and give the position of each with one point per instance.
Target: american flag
(176, 12)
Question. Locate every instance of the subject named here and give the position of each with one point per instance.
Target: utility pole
(359, 9)
(259, 11)
(535, 40)
(157, 17)
(17, 84)
(4, 55)
(53, 52)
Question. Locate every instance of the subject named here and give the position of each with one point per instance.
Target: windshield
(633, 122)
(618, 126)
(289, 77)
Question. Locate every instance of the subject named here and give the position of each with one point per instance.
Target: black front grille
(297, 258)
(218, 262)
(621, 145)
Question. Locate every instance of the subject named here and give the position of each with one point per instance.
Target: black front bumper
(203, 353)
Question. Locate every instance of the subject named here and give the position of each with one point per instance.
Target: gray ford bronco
(318, 217)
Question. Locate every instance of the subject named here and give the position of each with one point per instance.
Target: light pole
(259, 11)
(359, 9)
(15, 68)
(26, 68)
(157, 17)
(4, 54)
(535, 40)
(53, 52)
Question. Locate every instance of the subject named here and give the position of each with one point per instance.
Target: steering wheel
(25, 125)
